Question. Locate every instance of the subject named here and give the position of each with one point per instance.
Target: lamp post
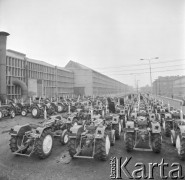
(149, 59)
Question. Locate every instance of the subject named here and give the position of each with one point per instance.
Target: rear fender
(40, 130)
(76, 130)
(19, 130)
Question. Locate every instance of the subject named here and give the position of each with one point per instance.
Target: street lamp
(149, 59)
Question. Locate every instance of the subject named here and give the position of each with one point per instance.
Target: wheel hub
(47, 144)
(66, 138)
(34, 112)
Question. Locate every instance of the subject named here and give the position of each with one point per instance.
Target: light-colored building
(22, 77)
(90, 82)
(179, 88)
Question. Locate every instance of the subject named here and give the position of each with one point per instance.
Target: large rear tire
(167, 128)
(102, 148)
(15, 143)
(72, 146)
(129, 141)
(156, 143)
(44, 144)
(117, 128)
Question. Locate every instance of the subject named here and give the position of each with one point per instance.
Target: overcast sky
(106, 35)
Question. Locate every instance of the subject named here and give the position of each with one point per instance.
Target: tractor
(89, 141)
(143, 132)
(6, 111)
(38, 138)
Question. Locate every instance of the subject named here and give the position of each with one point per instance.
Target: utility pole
(149, 59)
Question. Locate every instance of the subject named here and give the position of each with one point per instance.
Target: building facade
(90, 82)
(169, 86)
(22, 77)
(179, 88)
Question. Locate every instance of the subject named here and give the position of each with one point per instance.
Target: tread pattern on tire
(156, 143)
(72, 146)
(167, 129)
(182, 155)
(116, 128)
(39, 144)
(100, 152)
(129, 142)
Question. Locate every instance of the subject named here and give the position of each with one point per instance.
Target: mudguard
(156, 128)
(40, 130)
(19, 130)
(99, 133)
(76, 130)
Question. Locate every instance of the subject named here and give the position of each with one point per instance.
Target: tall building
(90, 82)
(179, 88)
(165, 86)
(22, 77)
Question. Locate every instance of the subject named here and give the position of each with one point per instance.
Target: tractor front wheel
(35, 112)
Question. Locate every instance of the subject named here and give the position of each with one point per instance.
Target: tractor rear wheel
(15, 143)
(72, 146)
(156, 143)
(117, 128)
(167, 129)
(44, 144)
(129, 141)
(180, 145)
(102, 148)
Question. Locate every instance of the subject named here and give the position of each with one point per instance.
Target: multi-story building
(21, 76)
(90, 82)
(179, 88)
(167, 86)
